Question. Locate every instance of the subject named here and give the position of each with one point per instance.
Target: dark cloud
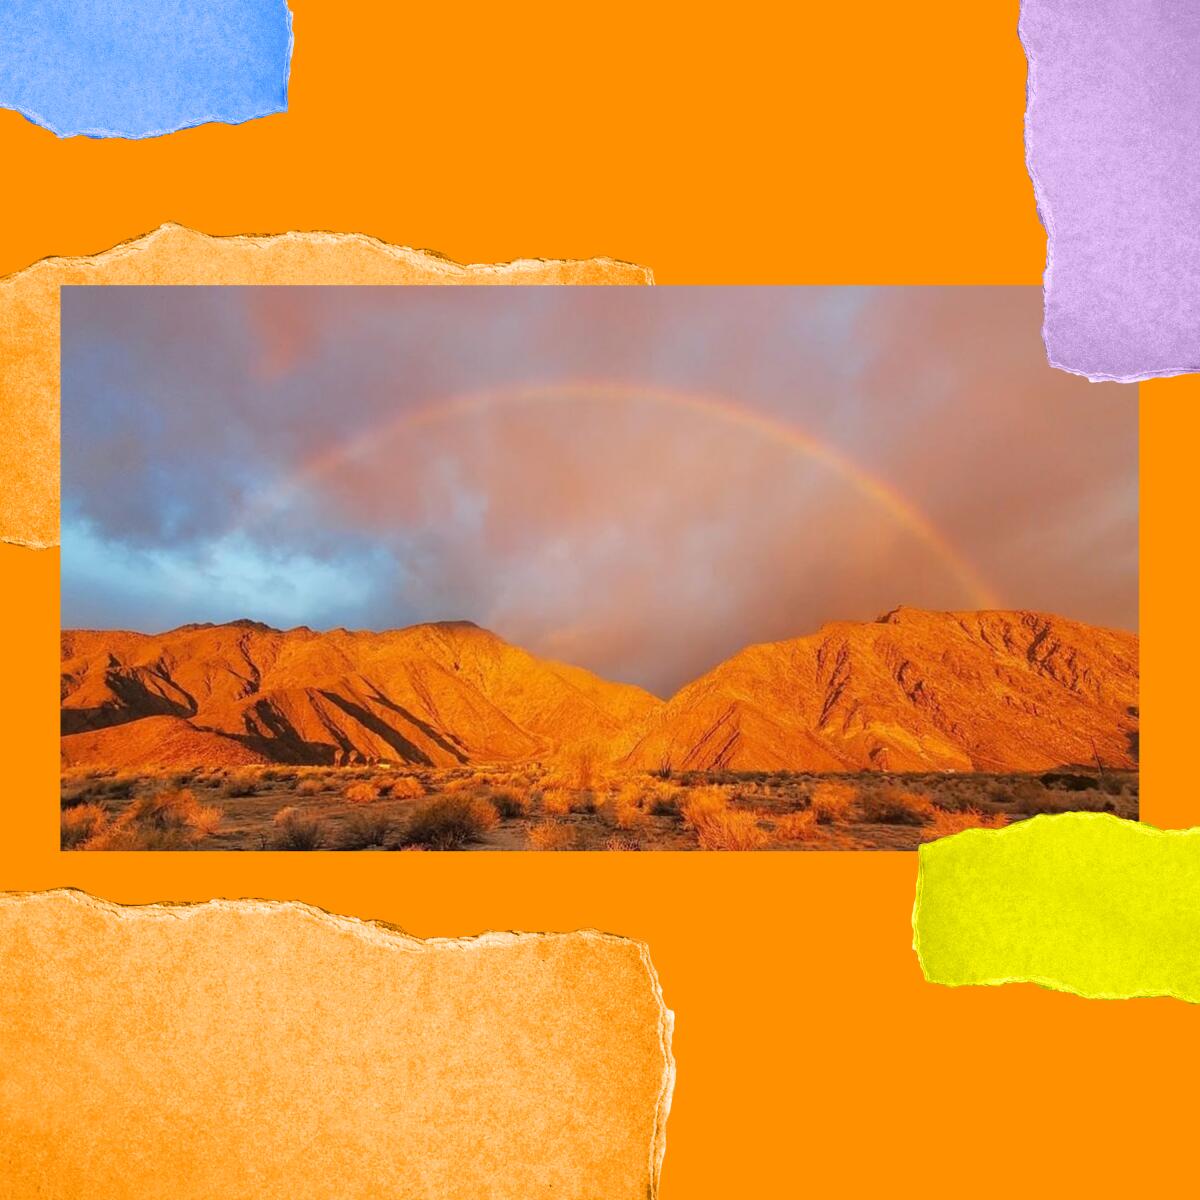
(283, 451)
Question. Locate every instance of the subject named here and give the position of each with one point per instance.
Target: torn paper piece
(1080, 902)
(29, 324)
(144, 68)
(253, 1048)
(1112, 132)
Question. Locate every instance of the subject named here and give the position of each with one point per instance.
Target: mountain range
(911, 691)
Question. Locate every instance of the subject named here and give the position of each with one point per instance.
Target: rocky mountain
(987, 691)
(912, 691)
(438, 695)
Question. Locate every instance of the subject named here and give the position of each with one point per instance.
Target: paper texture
(1112, 132)
(253, 1048)
(1082, 902)
(29, 324)
(143, 68)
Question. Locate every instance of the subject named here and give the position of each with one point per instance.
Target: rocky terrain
(913, 691)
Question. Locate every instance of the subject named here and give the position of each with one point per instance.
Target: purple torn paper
(1112, 137)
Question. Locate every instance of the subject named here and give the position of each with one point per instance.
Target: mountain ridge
(912, 690)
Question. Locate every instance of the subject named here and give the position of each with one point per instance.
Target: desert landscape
(443, 736)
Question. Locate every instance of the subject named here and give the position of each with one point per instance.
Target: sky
(640, 481)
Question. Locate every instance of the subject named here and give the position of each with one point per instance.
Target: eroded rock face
(986, 691)
(992, 691)
(434, 695)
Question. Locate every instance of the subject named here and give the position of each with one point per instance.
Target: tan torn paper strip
(172, 254)
(253, 1048)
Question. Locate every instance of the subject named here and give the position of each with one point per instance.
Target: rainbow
(453, 408)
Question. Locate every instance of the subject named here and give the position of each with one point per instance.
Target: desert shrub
(664, 769)
(206, 820)
(1092, 801)
(406, 787)
(717, 826)
(461, 783)
(664, 804)
(139, 837)
(1023, 791)
(730, 830)
(833, 800)
(80, 823)
(171, 809)
(1031, 798)
(278, 775)
(244, 783)
(556, 801)
(169, 819)
(100, 787)
(364, 828)
(310, 787)
(450, 822)
(580, 767)
(702, 801)
(509, 804)
(895, 806)
(584, 802)
(958, 799)
(626, 808)
(636, 792)
(944, 823)
(295, 830)
(550, 835)
(363, 792)
(800, 826)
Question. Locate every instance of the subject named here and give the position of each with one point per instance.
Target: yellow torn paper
(172, 254)
(254, 1048)
(1079, 902)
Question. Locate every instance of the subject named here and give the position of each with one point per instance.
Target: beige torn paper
(265, 1049)
(173, 254)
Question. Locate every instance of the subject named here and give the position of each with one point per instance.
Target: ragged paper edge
(42, 122)
(1045, 216)
(392, 937)
(1051, 983)
(413, 257)
(177, 255)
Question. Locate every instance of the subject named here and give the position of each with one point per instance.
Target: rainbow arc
(462, 406)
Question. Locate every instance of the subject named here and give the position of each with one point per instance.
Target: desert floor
(545, 808)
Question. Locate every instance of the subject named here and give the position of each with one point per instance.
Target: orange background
(867, 143)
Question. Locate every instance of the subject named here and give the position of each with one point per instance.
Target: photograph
(596, 568)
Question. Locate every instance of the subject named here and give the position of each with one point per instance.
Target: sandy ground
(505, 808)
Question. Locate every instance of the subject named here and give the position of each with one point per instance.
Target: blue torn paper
(143, 68)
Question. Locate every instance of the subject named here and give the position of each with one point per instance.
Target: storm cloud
(639, 481)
